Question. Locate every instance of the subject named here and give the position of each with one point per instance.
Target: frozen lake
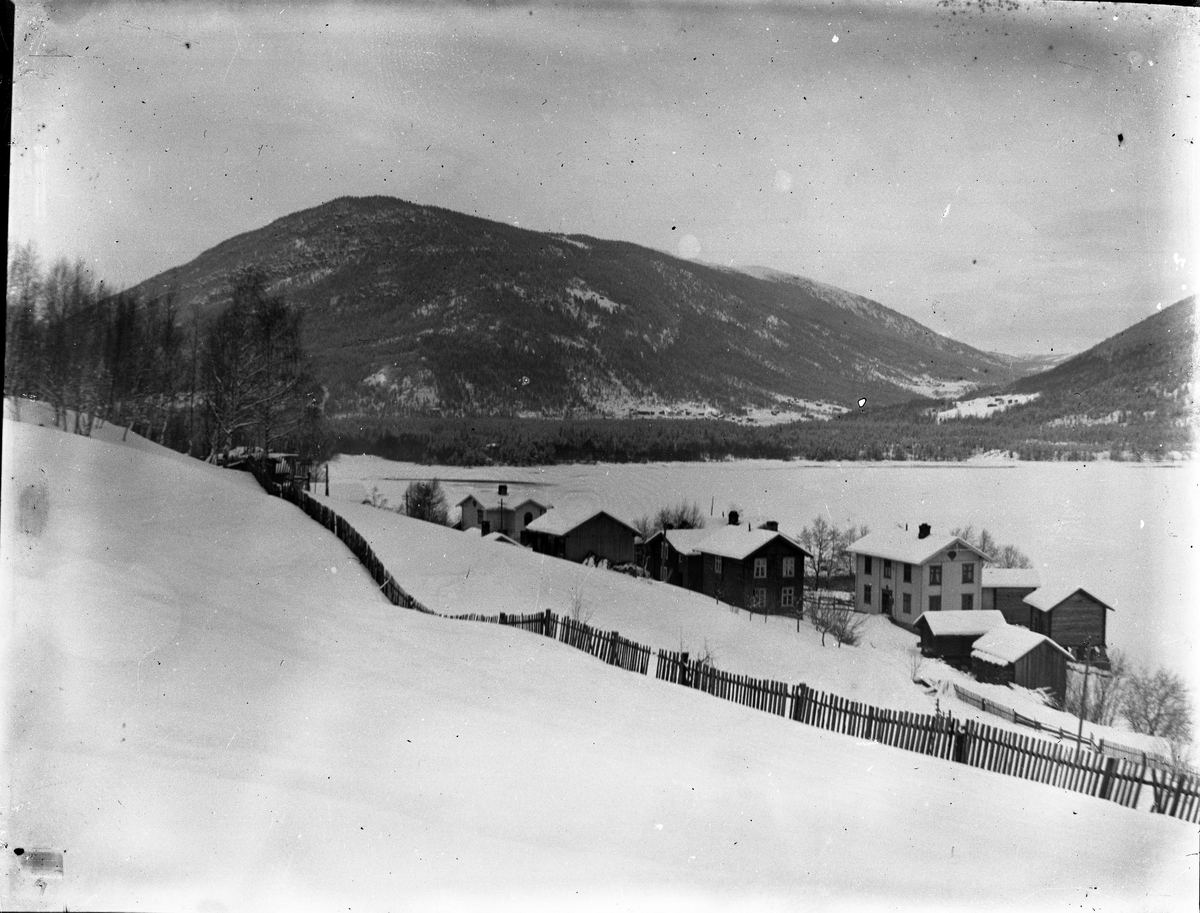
(1125, 531)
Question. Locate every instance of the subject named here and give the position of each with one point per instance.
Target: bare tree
(1001, 555)
(830, 617)
(820, 539)
(1105, 691)
(426, 501)
(1157, 703)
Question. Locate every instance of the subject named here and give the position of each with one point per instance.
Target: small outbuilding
(502, 514)
(951, 635)
(1005, 589)
(1012, 655)
(577, 534)
(1073, 618)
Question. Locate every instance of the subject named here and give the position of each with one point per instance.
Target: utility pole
(1087, 653)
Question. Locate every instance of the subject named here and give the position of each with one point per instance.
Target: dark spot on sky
(973, 262)
(188, 45)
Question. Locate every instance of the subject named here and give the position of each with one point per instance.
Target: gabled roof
(738, 544)
(1007, 644)
(1048, 597)
(512, 503)
(1010, 577)
(500, 537)
(561, 520)
(961, 624)
(904, 545)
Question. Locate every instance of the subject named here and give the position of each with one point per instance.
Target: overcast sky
(1021, 177)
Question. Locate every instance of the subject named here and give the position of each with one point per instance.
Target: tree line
(199, 384)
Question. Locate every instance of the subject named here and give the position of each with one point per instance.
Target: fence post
(684, 678)
(1110, 766)
(503, 618)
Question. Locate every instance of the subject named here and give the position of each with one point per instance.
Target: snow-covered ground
(984, 406)
(209, 707)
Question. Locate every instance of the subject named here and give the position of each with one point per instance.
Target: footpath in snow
(210, 707)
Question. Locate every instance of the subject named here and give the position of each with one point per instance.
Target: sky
(1019, 176)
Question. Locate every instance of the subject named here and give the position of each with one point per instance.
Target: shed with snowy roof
(580, 533)
(757, 569)
(502, 513)
(1012, 655)
(951, 635)
(1005, 589)
(904, 573)
(1073, 618)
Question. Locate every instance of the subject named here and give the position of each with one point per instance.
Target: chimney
(733, 518)
(771, 526)
(503, 491)
(923, 531)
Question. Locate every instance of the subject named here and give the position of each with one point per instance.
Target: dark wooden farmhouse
(950, 635)
(761, 570)
(671, 557)
(1073, 618)
(579, 534)
(1014, 655)
(1005, 589)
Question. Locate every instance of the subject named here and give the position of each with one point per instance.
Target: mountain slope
(1143, 377)
(419, 306)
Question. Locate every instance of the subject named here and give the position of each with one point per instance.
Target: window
(787, 598)
(935, 575)
(485, 527)
(968, 602)
(887, 569)
(528, 517)
(935, 603)
(866, 564)
(969, 573)
(664, 572)
(759, 601)
(664, 549)
(717, 564)
(866, 594)
(907, 603)
(789, 567)
(907, 572)
(760, 567)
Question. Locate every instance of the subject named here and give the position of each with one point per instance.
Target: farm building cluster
(1000, 624)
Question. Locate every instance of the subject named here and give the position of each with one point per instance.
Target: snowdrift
(209, 706)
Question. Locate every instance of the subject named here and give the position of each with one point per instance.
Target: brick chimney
(733, 518)
(923, 531)
(771, 526)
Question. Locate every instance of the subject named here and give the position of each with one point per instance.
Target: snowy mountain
(212, 707)
(424, 307)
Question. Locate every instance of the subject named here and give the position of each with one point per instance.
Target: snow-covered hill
(208, 706)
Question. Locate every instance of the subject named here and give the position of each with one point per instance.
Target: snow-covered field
(984, 406)
(209, 707)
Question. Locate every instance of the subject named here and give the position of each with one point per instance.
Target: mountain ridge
(411, 307)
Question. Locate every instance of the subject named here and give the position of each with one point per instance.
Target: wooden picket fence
(1091, 772)
(1097, 746)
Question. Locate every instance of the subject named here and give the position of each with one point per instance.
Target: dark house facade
(1005, 589)
(579, 535)
(761, 570)
(671, 557)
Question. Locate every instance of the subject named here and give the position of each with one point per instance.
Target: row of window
(935, 571)
(787, 598)
(760, 567)
(935, 602)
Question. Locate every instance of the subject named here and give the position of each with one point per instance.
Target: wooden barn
(1073, 618)
(1005, 589)
(671, 557)
(1017, 656)
(579, 534)
(951, 635)
(761, 569)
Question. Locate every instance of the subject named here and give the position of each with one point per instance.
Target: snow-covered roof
(561, 520)
(907, 546)
(961, 624)
(686, 540)
(500, 537)
(1010, 577)
(510, 503)
(1007, 644)
(1046, 598)
(737, 543)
